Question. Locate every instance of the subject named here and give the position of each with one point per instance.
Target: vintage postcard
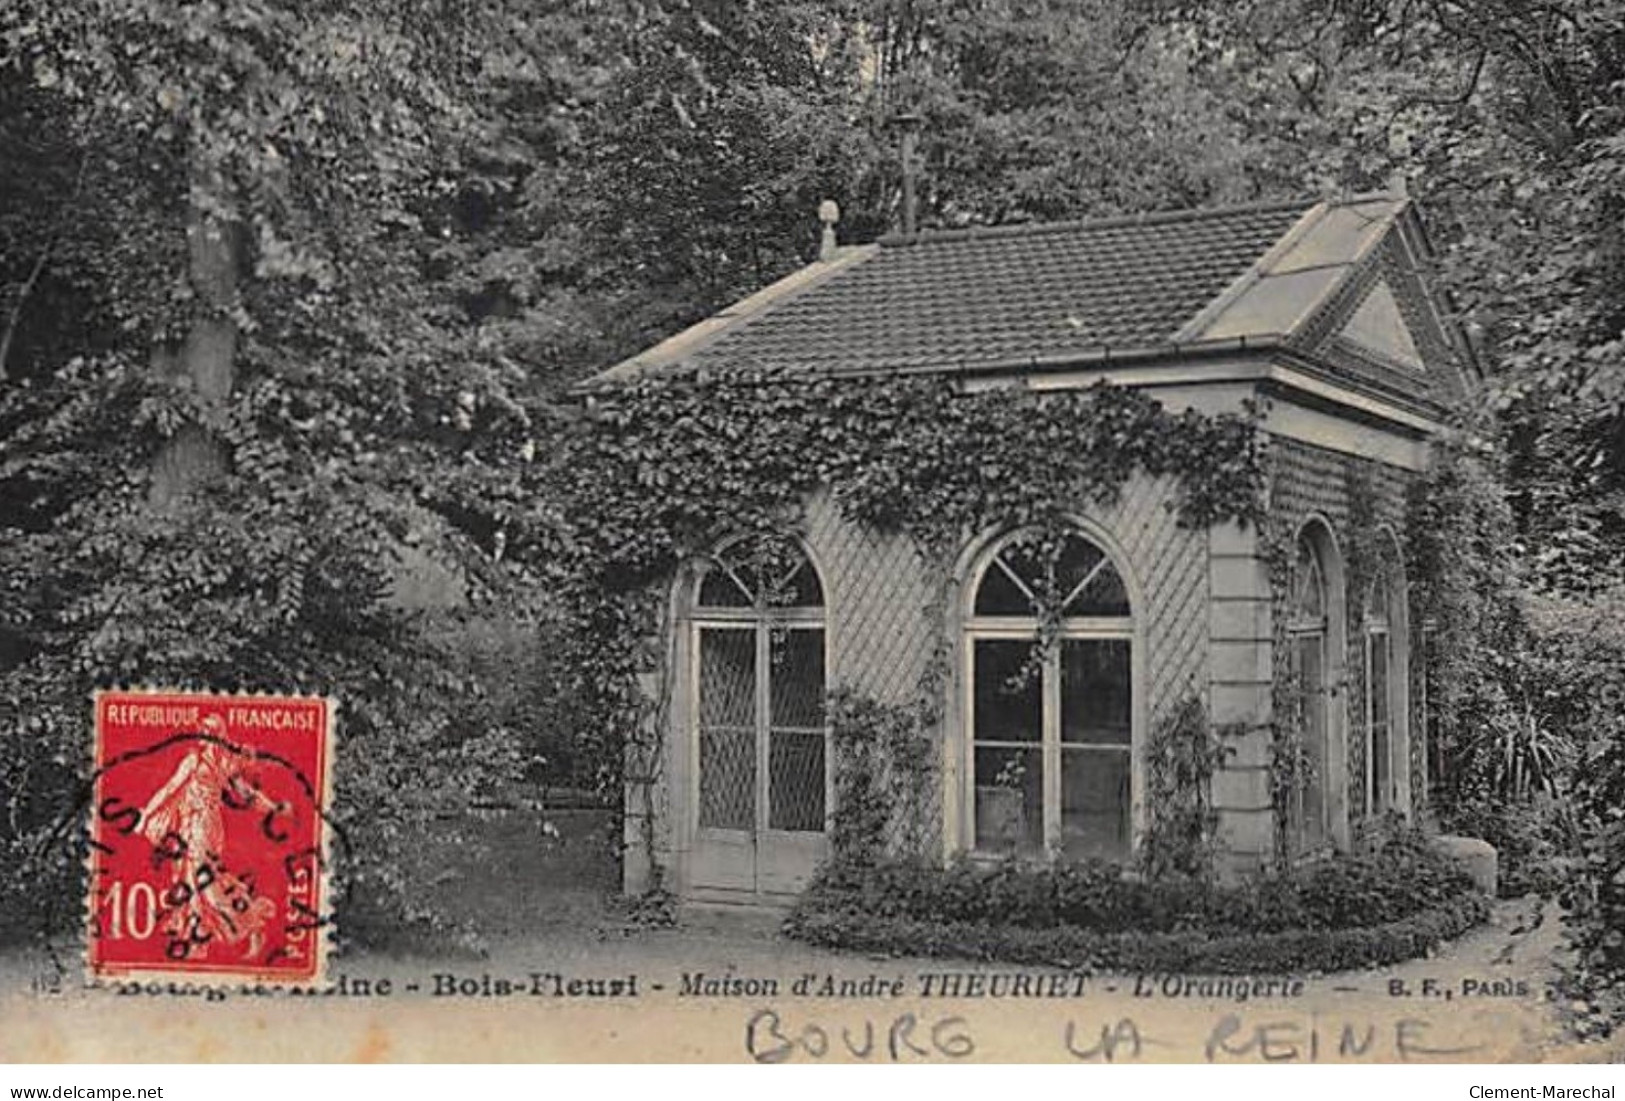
(813, 531)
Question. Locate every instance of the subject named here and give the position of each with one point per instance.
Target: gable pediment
(1377, 328)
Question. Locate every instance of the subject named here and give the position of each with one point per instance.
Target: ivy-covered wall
(871, 475)
(1364, 502)
(894, 487)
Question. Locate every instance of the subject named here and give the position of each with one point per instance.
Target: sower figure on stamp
(185, 821)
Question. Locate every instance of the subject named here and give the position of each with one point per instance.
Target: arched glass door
(760, 758)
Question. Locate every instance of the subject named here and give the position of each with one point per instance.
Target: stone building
(1319, 310)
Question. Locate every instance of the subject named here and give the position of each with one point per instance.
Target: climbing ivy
(1365, 535)
(663, 469)
(1290, 767)
(1464, 564)
(668, 465)
(1182, 753)
(883, 772)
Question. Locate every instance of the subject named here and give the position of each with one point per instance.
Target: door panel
(724, 853)
(1095, 787)
(763, 760)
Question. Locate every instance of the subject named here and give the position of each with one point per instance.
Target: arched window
(1051, 711)
(1385, 709)
(758, 651)
(1307, 628)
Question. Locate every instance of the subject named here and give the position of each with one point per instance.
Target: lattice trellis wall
(888, 615)
(884, 621)
(878, 597)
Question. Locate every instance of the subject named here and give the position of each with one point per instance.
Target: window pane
(1095, 803)
(727, 714)
(728, 676)
(1028, 558)
(1105, 595)
(801, 589)
(795, 775)
(1095, 691)
(1078, 557)
(795, 771)
(795, 678)
(1377, 688)
(728, 778)
(1308, 586)
(718, 589)
(1008, 702)
(998, 595)
(1377, 601)
(1009, 800)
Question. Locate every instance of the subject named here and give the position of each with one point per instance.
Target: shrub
(510, 656)
(1191, 951)
(1585, 648)
(1352, 910)
(1530, 838)
(406, 754)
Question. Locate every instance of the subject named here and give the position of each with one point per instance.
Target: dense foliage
(676, 463)
(1181, 756)
(1525, 696)
(1581, 651)
(885, 777)
(235, 409)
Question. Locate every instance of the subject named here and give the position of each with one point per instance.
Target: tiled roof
(964, 298)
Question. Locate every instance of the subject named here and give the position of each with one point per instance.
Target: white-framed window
(1308, 628)
(758, 684)
(1386, 702)
(1049, 639)
(1379, 710)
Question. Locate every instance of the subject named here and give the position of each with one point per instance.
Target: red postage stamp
(208, 837)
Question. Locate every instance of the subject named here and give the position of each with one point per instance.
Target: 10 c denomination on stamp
(208, 837)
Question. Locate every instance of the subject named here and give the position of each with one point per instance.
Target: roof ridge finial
(1398, 185)
(829, 213)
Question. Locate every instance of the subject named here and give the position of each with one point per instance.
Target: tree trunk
(195, 456)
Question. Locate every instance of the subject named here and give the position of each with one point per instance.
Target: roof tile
(963, 298)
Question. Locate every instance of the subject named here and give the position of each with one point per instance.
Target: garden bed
(1337, 914)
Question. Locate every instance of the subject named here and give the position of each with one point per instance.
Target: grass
(502, 874)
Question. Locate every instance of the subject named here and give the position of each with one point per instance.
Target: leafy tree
(211, 484)
(1506, 117)
(723, 126)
